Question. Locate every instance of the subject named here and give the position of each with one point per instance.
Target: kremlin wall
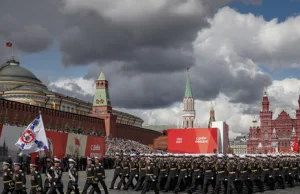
(23, 95)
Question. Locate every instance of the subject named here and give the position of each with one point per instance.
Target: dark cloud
(30, 25)
(74, 87)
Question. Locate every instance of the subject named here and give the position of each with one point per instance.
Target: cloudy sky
(144, 48)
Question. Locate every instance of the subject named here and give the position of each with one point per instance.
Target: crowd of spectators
(119, 145)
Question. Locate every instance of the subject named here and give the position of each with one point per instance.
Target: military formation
(14, 179)
(216, 173)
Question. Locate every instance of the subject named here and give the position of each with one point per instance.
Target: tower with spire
(212, 117)
(265, 114)
(188, 116)
(102, 104)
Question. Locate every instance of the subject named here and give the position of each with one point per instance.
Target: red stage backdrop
(197, 140)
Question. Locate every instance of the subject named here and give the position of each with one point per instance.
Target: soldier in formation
(215, 173)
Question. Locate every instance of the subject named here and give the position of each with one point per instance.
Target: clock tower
(102, 105)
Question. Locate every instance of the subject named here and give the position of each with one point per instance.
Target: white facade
(222, 135)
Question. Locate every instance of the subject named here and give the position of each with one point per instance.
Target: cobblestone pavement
(109, 174)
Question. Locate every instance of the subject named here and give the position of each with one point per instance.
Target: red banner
(57, 142)
(95, 146)
(198, 140)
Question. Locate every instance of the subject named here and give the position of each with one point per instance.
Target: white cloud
(237, 41)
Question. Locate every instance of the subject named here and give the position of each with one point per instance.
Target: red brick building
(273, 134)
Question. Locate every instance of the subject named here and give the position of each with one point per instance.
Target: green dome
(12, 71)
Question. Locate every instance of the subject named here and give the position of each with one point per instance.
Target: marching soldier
(19, 179)
(196, 166)
(73, 177)
(91, 177)
(7, 178)
(208, 174)
(49, 174)
(142, 173)
(172, 173)
(150, 177)
(163, 167)
(133, 165)
(182, 169)
(125, 172)
(220, 168)
(118, 170)
(232, 175)
(36, 180)
(56, 178)
(100, 173)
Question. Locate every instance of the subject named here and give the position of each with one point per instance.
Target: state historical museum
(276, 135)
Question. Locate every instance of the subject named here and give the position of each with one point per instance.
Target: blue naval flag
(33, 138)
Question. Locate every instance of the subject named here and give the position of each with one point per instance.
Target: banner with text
(60, 144)
(197, 140)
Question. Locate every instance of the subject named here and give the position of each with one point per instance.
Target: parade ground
(109, 175)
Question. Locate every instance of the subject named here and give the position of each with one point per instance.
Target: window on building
(283, 134)
(265, 123)
(266, 134)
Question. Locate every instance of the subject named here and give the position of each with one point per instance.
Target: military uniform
(100, 174)
(19, 178)
(49, 172)
(73, 178)
(56, 179)
(142, 173)
(125, 173)
(36, 181)
(134, 173)
(150, 180)
(7, 178)
(91, 178)
(118, 170)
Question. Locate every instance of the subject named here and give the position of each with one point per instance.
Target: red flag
(296, 146)
(77, 141)
(9, 44)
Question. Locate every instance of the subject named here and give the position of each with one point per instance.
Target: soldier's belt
(173, 168)
(118, 167)
(19, 182)
(90, 177)
(231, 172)
(143, 168)
(35, 186)
(253, 170)
(196, 170)
(149, 174)
(99, 173)
(163, 170)
(265, 169)
(219, 172)
(276, 168)
(208, 171)
(133, 169)
(294, 168)
(285, 167)
(6, 182)
(183, 170)
(125, 168)
(243, 171)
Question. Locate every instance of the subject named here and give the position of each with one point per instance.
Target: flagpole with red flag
(10, 45)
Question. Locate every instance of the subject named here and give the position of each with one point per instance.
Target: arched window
(266, 134)
(283, 134)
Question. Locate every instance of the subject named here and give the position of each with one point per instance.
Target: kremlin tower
(188, 116)
(212, 117)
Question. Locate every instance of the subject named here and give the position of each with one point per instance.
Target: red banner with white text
(197, 140)
(95, 147)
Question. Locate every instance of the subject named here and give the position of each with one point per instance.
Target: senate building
(21, 85)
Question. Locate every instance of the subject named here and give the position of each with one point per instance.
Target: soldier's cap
(17, 163)
(132, 155)
(148, 158)
(230, 156)
(71, 160)
(117, 154)
(242, 156)
(49, 160)
(6, 163)
(56, 160)
(33, 165)
(220, 156)
(97, 158)
(88, 158)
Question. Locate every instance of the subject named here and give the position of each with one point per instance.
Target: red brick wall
(144, 136)
(16, 113)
